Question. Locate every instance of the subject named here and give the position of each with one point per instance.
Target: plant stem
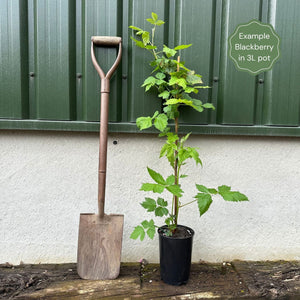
(187, 203)
(176, 171)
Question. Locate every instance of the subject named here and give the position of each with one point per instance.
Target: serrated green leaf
(162, 202)
(135, 28)
(170, 180)
(138, 232)
(174, 80)
(175, 190)
(143, 122)
(190, 89)
(184, 139)
(233, 196)
(154, 16)
(202, 188)
(194, 154)
(146, 37)
(149, 204)
(152, 187)
(159, 22)
(193, 78)
(179, 101)
(138, 43)
(155, 114)
(164, 95)
(149, 47)
(204, 201)
(208, 105)
(161, 211)
(151, 21)
(223, 188)
(156, 176)
(168, 51)
(149, 80)
(161, 122)
(160, 75)
(213, 191)
(181, 47)
(151, 232)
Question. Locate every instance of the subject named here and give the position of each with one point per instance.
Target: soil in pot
(175, 254)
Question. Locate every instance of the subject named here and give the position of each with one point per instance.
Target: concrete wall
(48, 179)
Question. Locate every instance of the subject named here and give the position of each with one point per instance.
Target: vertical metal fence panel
(14, 61)
(139, 103)
(194, 25)
(237, 90)
(282, 88)
(55, 74)
(100, 17)
(46, 70)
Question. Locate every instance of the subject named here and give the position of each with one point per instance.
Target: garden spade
(100, 235)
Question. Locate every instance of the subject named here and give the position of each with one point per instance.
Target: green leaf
(146, 37)
(138, 43)
(138, 232)
(175, 190)
(170, 180)
(159, 22)
(162, 202)
(197, 105)
(213, 191)
(193, 78)
(204, 202)
(208, 105)
(160, 75)
(179, 101)
(155, 114)
(164, 150)
(168, 51)
(149, 204)
(161, 122)
(184, 139)
(176, 80)
(183, 176)
(135, 28)
(156, 176)
(149, 47)
(224, 188)
(202, 188)
(194, 154)
(228, 195)
(152, 187)
(143, 122)
(151, 232)
(150, 21)
(154, 16)
(164, 95)
(149, 225)
(181, 47)
(149, 80)
(161, 211)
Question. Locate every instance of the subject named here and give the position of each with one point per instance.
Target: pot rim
(192, 232)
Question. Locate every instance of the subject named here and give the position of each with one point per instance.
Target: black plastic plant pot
(175, 255)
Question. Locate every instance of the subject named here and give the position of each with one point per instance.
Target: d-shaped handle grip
(106, 41)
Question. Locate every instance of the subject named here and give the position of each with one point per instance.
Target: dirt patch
(15, 280)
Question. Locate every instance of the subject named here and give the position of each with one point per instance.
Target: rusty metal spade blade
(100, 235)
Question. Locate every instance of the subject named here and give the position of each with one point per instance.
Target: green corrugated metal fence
(47, 80)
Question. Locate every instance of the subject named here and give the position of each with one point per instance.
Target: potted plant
(175, 85)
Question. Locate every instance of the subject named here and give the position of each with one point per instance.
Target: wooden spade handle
(105, 41)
